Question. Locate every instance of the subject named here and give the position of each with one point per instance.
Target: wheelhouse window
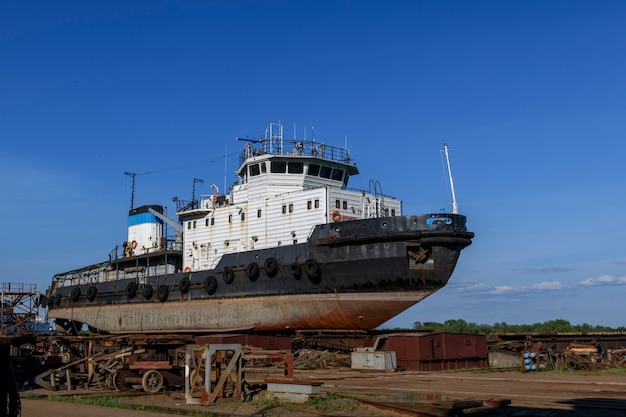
(254, 170)
(337, 174)
(259, 212)
(314, 170)
(325, 172)
(295, 167)
(278, 167)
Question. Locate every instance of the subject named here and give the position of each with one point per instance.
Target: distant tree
(550, 326)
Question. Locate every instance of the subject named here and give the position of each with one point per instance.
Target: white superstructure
(285, 188)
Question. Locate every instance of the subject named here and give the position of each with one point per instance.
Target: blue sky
(530, 96)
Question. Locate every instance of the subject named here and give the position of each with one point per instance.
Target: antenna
(132, 193)
(193, 192)
(455, 208)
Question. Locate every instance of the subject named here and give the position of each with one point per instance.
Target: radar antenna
(455, 208)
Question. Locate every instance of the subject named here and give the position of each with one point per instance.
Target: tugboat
(288, 247)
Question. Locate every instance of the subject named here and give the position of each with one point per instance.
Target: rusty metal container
(438, 351)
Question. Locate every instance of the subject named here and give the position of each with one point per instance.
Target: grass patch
(331, 402)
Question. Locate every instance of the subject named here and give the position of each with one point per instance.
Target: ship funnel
(145, 230)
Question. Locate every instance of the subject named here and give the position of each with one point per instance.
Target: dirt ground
(537, 394)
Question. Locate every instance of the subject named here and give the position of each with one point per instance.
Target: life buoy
(187, 269)
(147, 292)
(296, 270)
(162, 293)
(133, 244)
(312, 269)
(131, 289)
(75, 294)
(252, 271)
(184, 285)
(210, 285)
(229, 275)
(92, 292)
(335, 216)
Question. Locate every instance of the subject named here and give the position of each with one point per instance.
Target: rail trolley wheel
(118, 380)
(152, 381)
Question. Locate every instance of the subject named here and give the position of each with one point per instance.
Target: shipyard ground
(539, 394)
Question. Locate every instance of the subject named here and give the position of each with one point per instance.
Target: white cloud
(509, 289)
(604, 280)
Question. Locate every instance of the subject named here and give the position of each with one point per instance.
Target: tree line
(550, 326)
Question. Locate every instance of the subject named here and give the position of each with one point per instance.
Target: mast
(455, 208)
(132, 192)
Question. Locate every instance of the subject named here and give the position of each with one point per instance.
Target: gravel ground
(538, 394)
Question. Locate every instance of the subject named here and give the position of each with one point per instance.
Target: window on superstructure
(206, 222)
(194, 224)
(189, 226)
(337, 174)
(393, 212)
(309, 205)
(212, 221)
(337, 204)
(345, 205)
(243, 216)
(278, 167)
(290, 208)
(325, 172)
(230, 218)
(317, 204)
(254, 170)
(314, 170)
(284, 209)
(263, 168)
(295, 167)
(258, 213)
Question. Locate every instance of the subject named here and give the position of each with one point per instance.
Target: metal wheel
(118, 380)
(152, 381)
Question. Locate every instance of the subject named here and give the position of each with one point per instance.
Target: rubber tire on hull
(75, 294)
(229, 275)
(148, 291)
(312, 269)
(296, 270)
(184, 285)
(131, 290)
(210, 285)
(162, 293)
(271, 267)
(252, 271)
(92, 292)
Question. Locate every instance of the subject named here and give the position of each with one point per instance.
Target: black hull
(345, 276)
